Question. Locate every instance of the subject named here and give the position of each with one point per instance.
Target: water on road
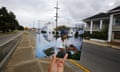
(44, 42)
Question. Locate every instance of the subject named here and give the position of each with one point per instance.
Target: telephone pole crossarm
(56, 20)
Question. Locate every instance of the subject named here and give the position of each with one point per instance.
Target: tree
(62, 27)
(3, 19)
(8, 20)
(20, 27)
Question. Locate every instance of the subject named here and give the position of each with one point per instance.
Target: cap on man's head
(63, 32)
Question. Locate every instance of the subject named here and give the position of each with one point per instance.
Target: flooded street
(44, 42)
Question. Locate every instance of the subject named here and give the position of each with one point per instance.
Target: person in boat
(64, 45)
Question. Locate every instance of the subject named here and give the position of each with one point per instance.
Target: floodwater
(44, 41)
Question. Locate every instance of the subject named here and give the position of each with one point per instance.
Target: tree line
(8, 21)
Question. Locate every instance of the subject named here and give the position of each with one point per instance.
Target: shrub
(86, 35)
(103, 34)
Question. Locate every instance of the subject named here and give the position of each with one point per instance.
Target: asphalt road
(5, 38)
(100, 59)
(4, 50)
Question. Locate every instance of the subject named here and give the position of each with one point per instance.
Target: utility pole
(38, 26)
(56, 20)
(33, 25)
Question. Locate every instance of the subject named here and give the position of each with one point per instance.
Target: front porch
(116, 28)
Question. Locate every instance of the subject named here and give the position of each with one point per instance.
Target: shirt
(62, 44)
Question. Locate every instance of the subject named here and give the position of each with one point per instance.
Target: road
(5, 38)
(8, 44)
(100, 59)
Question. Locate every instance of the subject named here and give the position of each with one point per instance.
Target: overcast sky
(28, 12)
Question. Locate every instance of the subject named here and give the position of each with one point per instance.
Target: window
(117, 35)
(117, 22)
(88, 24)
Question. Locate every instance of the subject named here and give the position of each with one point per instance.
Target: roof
(100, 15)
(104, 15)
(115, 9)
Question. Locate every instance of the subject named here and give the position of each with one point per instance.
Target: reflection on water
(43, 42)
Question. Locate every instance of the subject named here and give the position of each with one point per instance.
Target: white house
(110, 20)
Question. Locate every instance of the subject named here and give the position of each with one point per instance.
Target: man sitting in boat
(64, 45)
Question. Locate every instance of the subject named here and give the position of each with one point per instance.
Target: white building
(110, 20)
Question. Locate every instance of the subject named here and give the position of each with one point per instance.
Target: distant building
(110, 20)
(76, 28)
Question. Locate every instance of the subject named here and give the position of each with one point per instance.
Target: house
(109, 20)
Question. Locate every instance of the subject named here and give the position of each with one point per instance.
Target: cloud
(30, 11)
(80, 9)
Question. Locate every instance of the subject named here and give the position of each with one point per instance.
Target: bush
(103, 34)
(100, 34)
(86, 35)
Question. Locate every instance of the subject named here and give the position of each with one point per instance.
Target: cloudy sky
(29, 12)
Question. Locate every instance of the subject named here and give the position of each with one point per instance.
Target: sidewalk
(102, 44)
(24, 60)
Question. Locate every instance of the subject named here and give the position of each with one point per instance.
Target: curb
(79, 65)
(100, 44)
